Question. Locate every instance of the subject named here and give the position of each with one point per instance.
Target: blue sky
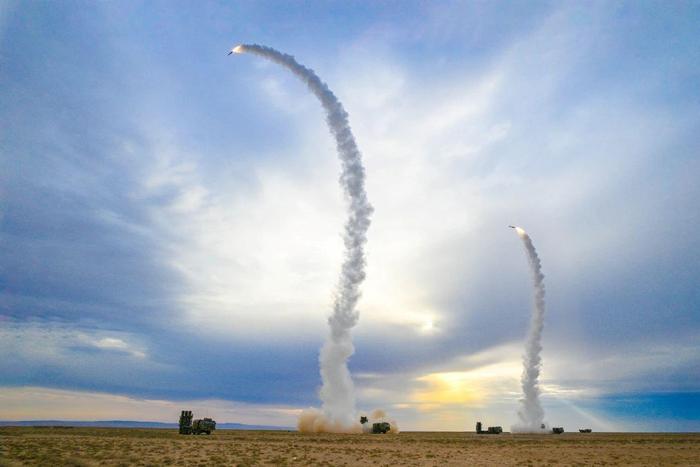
(170, 216)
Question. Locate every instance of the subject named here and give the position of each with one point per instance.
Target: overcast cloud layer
(170, 219)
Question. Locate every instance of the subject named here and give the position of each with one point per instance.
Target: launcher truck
(492, 430)
(196, 427)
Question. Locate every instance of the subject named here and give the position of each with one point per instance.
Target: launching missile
(236, 50)
(512, 226)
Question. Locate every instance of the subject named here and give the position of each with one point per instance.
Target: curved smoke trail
(337, 391)
(531, 414)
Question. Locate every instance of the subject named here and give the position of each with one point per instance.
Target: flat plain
(139, 447)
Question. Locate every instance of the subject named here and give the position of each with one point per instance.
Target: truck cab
(204, 425)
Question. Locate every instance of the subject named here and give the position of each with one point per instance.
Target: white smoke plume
(531, 414)
(337, 390)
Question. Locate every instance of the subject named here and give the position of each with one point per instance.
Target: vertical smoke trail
(531, 413)
(337, 391)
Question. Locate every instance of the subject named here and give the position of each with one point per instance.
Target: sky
(171, 219)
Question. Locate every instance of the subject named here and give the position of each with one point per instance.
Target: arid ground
(108, 446)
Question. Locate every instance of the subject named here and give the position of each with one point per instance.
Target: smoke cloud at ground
(337, 390)
(531, 414)
(315, 421)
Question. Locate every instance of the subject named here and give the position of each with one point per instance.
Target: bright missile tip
(238, 49)
(520, 231)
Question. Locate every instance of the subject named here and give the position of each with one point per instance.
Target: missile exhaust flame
(531, 414)
(237, 50)
(337, 390)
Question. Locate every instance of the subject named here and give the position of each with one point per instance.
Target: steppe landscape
(127, 447)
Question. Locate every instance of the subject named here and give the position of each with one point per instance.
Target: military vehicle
(197, 427)
(204, 425)
(492, 430)
(377, 428)
(557, 430)
(584, 430)
(381, 427)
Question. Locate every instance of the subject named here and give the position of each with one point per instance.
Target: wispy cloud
(36, 403)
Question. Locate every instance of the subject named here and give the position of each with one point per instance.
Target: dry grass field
(130, 447)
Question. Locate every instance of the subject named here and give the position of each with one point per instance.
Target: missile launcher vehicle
(492, 430)
(196, 427)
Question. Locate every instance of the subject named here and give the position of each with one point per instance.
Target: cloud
(485, 385)
(113, 343)
(34, 345)
(150, 207)
(32, 403)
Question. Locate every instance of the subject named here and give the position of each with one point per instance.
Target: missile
(518, 230)
(236, 50)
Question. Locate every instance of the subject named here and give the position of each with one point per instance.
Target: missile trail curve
(337, 391)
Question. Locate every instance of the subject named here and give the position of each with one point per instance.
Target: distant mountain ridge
(133, 424)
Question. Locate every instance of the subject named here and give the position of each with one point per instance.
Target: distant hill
(133, 424)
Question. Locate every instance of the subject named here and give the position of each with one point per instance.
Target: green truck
(196, 427)
(378, 427)
(381, 427)
(205, 425)
(492, 430)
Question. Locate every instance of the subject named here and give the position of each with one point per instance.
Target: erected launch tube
(337, 391)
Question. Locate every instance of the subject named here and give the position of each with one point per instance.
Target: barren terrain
(108, 446)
